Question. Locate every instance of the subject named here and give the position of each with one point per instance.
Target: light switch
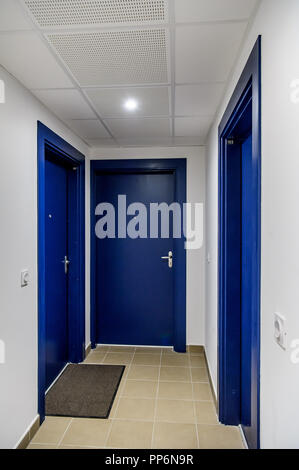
(24, 278)
(280, 334)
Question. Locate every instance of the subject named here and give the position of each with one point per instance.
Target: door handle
(66, 264)
(169, 258)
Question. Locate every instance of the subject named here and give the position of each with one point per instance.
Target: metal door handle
(169, 258)
(66, 264)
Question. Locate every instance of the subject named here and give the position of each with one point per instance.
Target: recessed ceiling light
(131, 105)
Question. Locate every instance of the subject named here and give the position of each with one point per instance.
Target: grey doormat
(84, 391)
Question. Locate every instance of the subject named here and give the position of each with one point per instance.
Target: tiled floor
(164, 401)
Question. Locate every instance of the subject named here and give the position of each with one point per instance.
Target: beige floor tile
(143, 373)
(147, 359)
(87, 432)
(35, 427)
(175, 360)
(219, 437)
(175, 390)
(140, 389)
(118, 358)
(177, 374)
(65, 447)
(176, 411)
(175, 436)
(125, 372)
(197, 361)
(205, 412)
(101, 348)
(202, 392)
(170, 351)
(195, 350)
(95, 358)
(135, 408)
(121, 385)
(122, 349)
(130, 435)
(199, 374)
(147, 350)
(41, 446)
(119, 392)
(51, 431)
(114, 407)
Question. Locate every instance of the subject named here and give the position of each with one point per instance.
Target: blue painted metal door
(56, 214)
(134, 285)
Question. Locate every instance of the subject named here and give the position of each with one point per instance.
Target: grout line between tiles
(156, 402)
(59, 443)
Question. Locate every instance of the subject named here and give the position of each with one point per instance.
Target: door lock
(169, 258)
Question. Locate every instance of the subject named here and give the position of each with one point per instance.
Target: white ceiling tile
(89, 128)
(121, 57)
(146, 142)
(213, 10)
(109, 102)
(76, 13)
(29, 60)
(185, 141)
(102, 143)
(122, 128)
(192, 100)
(206, 53)
(67, 104)
(12, 17)
(192, 127)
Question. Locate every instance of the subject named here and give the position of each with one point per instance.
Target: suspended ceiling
(84, 59)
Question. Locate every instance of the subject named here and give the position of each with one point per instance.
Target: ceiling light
(131, 105)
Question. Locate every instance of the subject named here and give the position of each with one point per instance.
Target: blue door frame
(61, 151)
(247, 93)
(178, 167)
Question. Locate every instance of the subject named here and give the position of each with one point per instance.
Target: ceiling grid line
(173, 64)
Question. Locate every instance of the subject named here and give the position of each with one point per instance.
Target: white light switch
(280, 334)
(24, 278)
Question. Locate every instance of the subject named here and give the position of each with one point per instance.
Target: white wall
(278, 22)
(195, 193)
(18, 245)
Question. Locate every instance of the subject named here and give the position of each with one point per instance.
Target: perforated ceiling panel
(66, 13)
(114, 57)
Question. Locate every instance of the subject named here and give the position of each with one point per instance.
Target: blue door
(134, 286)
(56, 247)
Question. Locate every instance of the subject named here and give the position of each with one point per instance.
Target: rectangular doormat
(84, 391)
